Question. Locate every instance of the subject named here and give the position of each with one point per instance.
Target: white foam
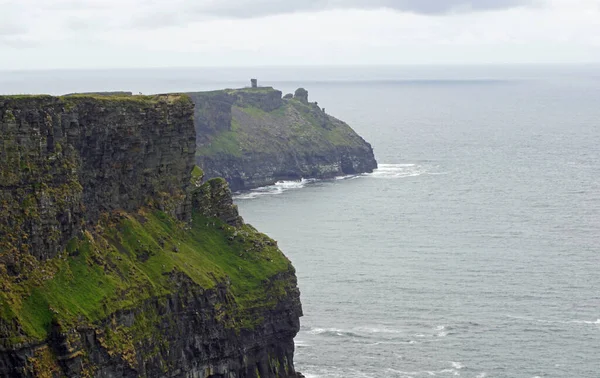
(397, 171)
(393, 166)
(457, 365)
(347, 177)
(331, 332)
(482, 375)
(378, 330)
(411, 373)
(575, 321)
(586, 321)
(277, 188)
(318, 331)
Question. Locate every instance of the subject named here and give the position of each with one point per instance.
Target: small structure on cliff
(302, 95)
(254, 83)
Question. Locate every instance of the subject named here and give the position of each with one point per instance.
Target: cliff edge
(254, 137)
(115, 259)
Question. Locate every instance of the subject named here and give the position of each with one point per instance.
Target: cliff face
(116, 262)
(253, 137)
(66, 161)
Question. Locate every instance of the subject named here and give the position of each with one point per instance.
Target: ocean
(474, 249)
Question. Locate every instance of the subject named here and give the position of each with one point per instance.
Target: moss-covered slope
(254, 137)
(159, 280)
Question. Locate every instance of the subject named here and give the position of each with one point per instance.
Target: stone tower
(302, 95)
(254, 83)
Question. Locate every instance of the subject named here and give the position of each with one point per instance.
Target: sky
(49, 34)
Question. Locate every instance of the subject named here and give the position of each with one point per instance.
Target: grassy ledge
(131, 260)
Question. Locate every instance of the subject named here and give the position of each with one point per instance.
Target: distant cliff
(254, 137)
(115, 259)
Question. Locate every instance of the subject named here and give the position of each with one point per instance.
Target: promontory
(255, 136)
(117, 259)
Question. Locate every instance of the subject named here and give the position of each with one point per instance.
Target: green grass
(224, 143)
(132, 262)
(197, 173)
(253, 112)
(114, 98)
(251, 90)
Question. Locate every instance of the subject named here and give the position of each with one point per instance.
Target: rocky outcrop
(214, 198)
(116, 261)
(253, 137)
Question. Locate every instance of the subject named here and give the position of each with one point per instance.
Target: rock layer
(115, 261)
(253, 137)
(64, 161)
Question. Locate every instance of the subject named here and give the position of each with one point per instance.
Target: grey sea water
(473, 251)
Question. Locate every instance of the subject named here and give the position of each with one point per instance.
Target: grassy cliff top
(290, 125)
(116, 97)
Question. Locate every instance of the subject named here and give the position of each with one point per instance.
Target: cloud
(10, 25)
(137, 33)
(259, 8)
(11, 29)
(154, 13)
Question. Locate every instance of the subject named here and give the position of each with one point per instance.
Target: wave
(574, 321)
(347, 177)
(457, 365)
(385, 171)
(432, 373)
(336, 332)
(390, 171)
(277, 188)
(442, 331)
(361, 332)
(378, 330)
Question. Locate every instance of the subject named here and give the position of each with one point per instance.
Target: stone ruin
(301, 94)
(254, 83)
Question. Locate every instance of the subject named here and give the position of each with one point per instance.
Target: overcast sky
(190, 33)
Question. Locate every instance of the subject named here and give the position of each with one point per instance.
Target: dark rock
(214, 200)
(301, 94)
(67, 160)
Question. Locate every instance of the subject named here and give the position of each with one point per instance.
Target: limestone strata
(253, 137)
(115, 261)
(64, 161)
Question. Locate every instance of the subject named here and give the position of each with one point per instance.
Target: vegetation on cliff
(128, 260)
(117, 260)
(253, 136)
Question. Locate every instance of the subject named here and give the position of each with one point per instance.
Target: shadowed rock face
(64, 161)
(253, 137)
(116, 262)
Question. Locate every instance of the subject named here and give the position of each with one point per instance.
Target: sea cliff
(118, 260)
(254, 137)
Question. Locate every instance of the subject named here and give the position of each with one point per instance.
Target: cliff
(253, 137)
(115, 261)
